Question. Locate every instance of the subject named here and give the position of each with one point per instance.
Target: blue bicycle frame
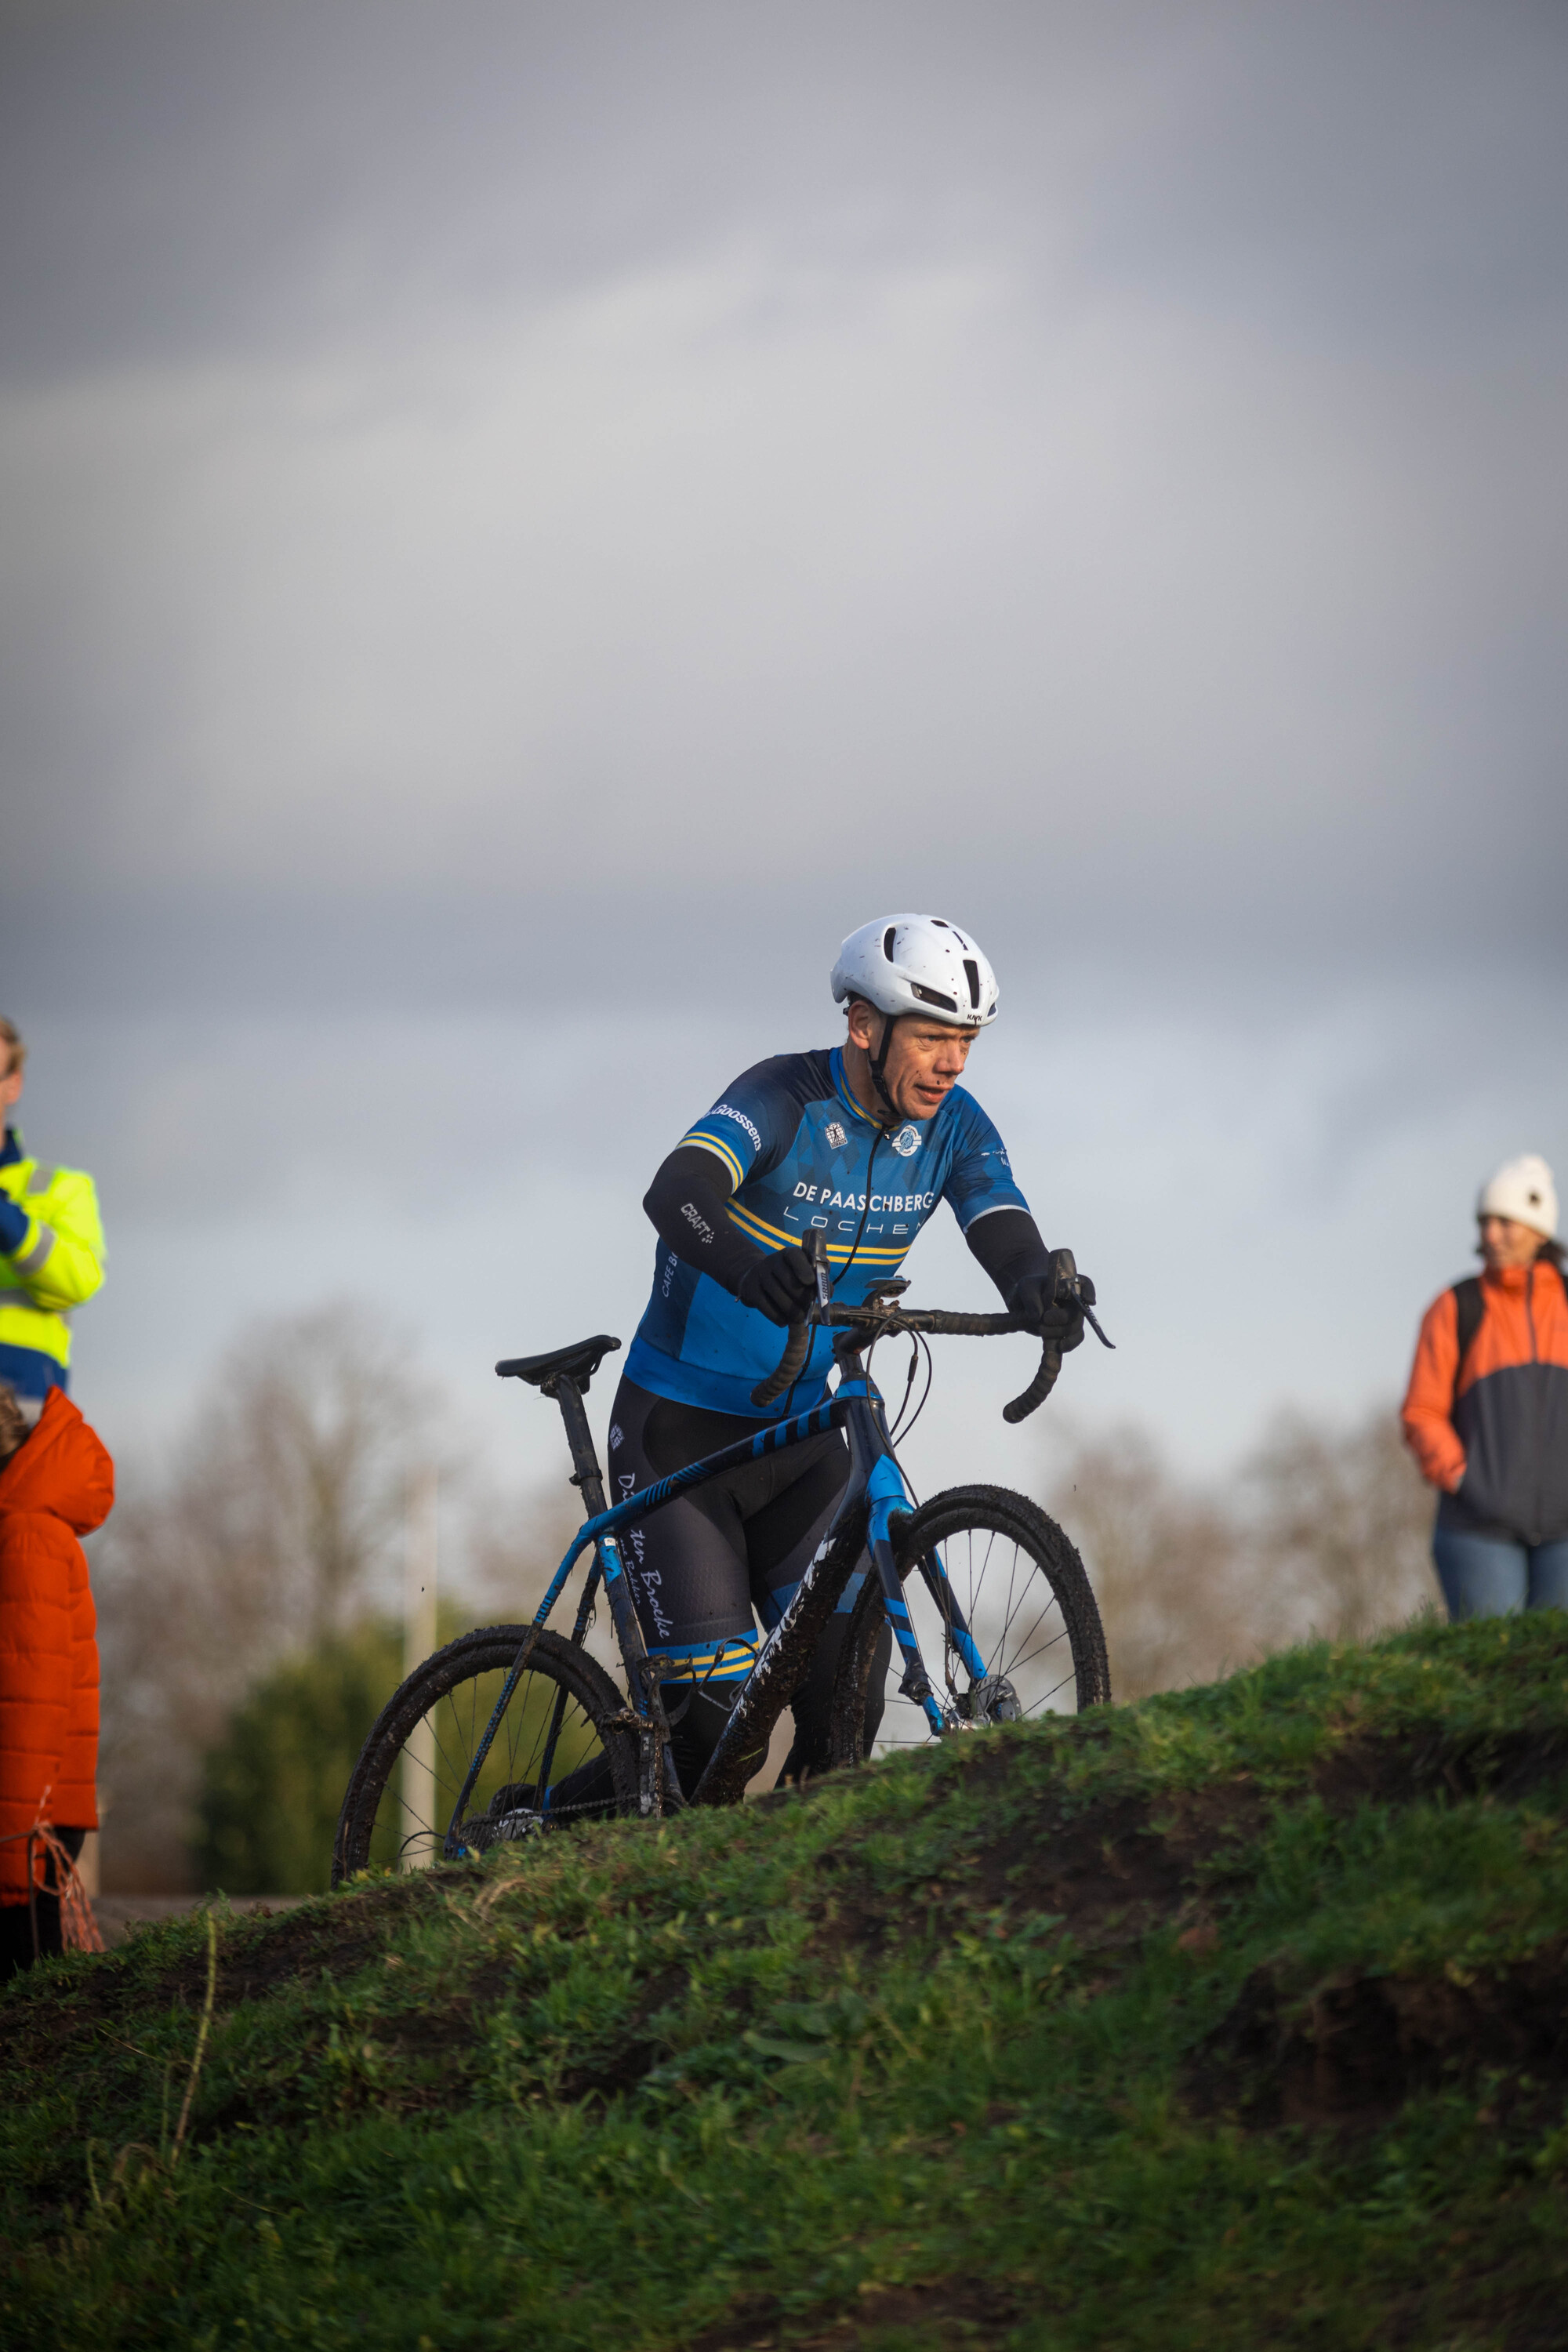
(874, 1495)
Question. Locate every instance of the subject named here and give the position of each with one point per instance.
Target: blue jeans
(1488, 1576)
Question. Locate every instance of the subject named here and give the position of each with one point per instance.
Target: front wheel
(1005, 1618)
(561, 1753)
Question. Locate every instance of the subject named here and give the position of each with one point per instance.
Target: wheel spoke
(1006, 1666)
(1024, 1597)
(402, 1810)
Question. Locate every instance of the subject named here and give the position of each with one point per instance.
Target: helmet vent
(972, 974)
(888, 935)
(932, 996)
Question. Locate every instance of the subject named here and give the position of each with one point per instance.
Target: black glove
(1034, 1300)
(782, 1287)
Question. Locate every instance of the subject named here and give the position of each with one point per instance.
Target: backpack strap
(1468, 1309)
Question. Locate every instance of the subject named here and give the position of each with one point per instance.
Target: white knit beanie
(1523, 1190)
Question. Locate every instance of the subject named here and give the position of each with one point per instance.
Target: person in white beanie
(1486, 1414)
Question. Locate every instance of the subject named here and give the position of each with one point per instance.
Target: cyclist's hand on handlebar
(1046, 1306)
(783, 1286)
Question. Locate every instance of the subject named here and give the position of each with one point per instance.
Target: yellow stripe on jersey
(757, 1229)
(721, 1149)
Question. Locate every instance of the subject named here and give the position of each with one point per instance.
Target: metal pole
(421, 1840)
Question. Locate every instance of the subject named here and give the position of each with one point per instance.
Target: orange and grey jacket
(1492, 1432)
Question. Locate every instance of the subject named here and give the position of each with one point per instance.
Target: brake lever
(1093, 1320)
(816, 1250)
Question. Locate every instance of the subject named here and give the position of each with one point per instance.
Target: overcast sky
(520, 526)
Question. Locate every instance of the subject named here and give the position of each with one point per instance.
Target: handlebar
(884, 1318)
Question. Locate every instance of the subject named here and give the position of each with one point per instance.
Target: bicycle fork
(887, 1494)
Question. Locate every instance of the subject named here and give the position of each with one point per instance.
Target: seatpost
(657, 1781)
(587, 1475)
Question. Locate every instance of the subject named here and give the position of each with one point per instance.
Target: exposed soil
(255, 1955)
(1372, 1768)
(1356, 2046)
(953, 2312)
(1112, 1873)
(1123, 1866)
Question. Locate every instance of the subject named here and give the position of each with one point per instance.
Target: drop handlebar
(883, 1318)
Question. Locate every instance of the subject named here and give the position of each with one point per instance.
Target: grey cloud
(523, 516)
(177, 175)
(1193, 616)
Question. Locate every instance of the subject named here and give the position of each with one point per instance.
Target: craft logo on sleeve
(907, 1142)
(836, 1135)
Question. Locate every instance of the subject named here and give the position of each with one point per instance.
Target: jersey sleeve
(750, 1126)
(980, 1177)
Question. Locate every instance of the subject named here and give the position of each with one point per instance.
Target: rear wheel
(559, 1754)
(1036, 1643)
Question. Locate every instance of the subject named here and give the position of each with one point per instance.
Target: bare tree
(1163, 1560)
(300, 1460)
(279, 1522)
(1339, 1522)
(1324, 1529)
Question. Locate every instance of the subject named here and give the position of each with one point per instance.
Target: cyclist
(859, 1143)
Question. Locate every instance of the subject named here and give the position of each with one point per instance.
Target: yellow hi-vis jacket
(56, 1264)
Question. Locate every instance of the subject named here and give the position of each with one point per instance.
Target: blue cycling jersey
(801, 1153)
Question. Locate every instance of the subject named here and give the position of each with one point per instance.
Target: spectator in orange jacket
(1486, 1414)
(57, 1483)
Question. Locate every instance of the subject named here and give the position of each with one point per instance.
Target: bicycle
(521, 1718)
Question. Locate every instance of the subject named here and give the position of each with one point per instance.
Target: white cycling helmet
(917, 964)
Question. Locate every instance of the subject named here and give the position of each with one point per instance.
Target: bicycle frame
(875, 1488)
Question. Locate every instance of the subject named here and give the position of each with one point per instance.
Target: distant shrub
(271, 1787)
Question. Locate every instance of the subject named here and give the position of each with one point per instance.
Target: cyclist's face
(925, 1060)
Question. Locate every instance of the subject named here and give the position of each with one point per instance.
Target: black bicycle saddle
(579, 1363)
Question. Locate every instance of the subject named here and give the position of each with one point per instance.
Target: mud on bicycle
(514, 1728)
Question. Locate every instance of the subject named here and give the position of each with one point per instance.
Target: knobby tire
(985, 1511)
(555, 1667)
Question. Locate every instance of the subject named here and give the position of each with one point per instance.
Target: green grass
(1229, 2020)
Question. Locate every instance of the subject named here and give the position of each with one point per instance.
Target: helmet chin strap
(879, 1062)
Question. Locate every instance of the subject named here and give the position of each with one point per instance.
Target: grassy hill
(1232, 2019)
